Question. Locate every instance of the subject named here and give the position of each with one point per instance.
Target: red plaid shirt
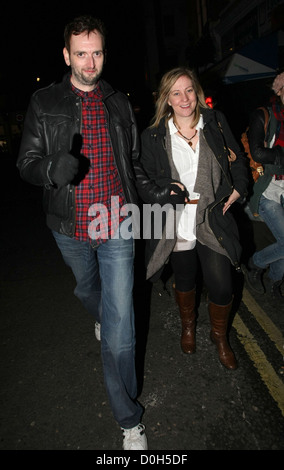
(102, 180)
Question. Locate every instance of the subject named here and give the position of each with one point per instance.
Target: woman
(185, 159)
(267, 197)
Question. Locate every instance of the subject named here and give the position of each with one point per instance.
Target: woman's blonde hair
(163, 109)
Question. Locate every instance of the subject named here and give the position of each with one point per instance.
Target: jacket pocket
(226, 232)
(58, 129)
(56, 202)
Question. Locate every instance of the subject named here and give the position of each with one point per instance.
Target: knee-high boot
(186, 304)
(219, 315)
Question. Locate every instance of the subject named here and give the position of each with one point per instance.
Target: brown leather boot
(186, 303)
(219, 315)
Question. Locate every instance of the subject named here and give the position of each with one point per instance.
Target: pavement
(52, 392)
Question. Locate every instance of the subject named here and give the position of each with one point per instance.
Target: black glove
(179, 197)
(64, 168)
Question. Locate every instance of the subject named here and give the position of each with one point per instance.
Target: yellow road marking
(266, 371)
(267, 325)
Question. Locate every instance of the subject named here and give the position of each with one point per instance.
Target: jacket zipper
(114, 159)
(79, 105)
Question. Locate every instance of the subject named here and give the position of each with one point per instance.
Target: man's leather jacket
(52, 122)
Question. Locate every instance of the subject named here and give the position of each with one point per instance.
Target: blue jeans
(105, 276)
(272, 256)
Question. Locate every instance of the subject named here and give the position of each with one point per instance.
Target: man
(80, 143)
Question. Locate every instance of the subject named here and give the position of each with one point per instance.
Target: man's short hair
(83, 24)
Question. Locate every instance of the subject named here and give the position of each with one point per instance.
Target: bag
(256, 168)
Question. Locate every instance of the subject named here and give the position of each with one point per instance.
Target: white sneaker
(135, 438)
(98, 331)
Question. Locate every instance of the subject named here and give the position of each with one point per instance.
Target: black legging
(216, 270)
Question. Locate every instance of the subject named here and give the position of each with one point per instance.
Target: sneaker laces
(133, 437)
(98, 330)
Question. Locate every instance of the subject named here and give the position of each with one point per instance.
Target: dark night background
(32, 43)
(52, 390)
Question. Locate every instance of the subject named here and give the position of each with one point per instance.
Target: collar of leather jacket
(107, 89)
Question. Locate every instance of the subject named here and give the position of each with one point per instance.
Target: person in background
(187, 167)
(267, 196)
(80, 143)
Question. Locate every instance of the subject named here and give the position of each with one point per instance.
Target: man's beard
(86, 81)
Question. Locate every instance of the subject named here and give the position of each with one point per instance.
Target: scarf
(207, 182)
(278, 112)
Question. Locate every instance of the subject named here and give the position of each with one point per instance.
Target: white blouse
(186, 163)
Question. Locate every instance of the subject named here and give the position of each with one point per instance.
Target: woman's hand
(233, 197)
